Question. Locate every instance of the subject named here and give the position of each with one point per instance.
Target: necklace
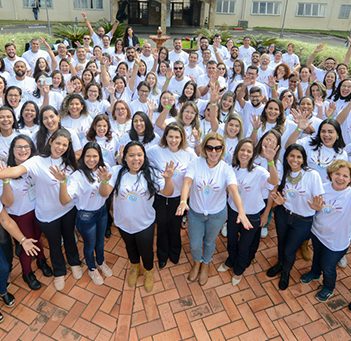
(326, 161)
(294, 180)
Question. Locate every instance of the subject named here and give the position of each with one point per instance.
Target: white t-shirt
(80, 125)
(120, 129)
(32, 58)
(97, 107)
(5, 142)
(47, 188)
(208, 190)
(291, 60)
(321, 158)
(84, 193)
(97, 40)
(133, 210)
(245, 54)
(149, 61)
(297, 195)
(252, 186)
(126, 138)
(332, 224)
(27, 85)
(159, 156)
(55, 99)
(204, 80)
(182, 56)
(248, 112)
(176, 86)
(136, 105)
(193, 72)
(29, 131)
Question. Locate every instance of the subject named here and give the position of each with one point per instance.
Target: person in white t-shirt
(253, 181)
(206, 182)
(245, 51)
(29, 118)
(11, 58)
(135, 184)
(299, 190)
(331, 229)
(290, 58)
(172, 147)
(56, 221)
(82, 187)
(34, 53)
(177, 53)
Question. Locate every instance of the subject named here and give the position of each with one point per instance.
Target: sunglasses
(178, 68)
(212, 148)
(287, 96)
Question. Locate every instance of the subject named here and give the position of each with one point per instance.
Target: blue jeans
(92, 226)
(325, 260)
(4, 272)
(203, 231)
(292, 230)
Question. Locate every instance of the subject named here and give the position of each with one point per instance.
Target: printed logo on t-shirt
(133, 194)
(293, 191)
(208, 187)
(242, 187)
(332, 206)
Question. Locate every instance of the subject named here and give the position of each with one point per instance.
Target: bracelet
(255, 129)
(63, 181)
(105, 182)
(6, 181)
(182, 202)
(299, 129)
(270, 163)
(273, 87)
(22, 240)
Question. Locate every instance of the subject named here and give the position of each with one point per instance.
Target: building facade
(306, 14)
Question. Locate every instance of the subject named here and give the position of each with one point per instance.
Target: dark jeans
(292, 230)
(92, 226)
(325, 261)
(4, 272)
(241, 243)
(140, 245)
(29, 226)
(55, 231)
(169, 243)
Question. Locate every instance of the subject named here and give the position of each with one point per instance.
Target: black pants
(140, 245)
(55, 231)
(169, 242)
(292, 230)
(241, 242)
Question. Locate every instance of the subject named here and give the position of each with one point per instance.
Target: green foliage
(20, 40)
(108, 26)
(205, 32)
(71, 32)
(258, 41)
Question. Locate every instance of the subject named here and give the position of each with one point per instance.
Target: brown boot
(133, 274)
(149, 280)
(306, 251)
(203, 274)
(194, 272)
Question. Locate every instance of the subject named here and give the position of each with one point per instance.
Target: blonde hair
(336, 165)
(208, 137)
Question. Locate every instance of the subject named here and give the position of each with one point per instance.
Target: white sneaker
(96, 277)
(224, 230)
(77, 271)
(59, 283)
(223, 268)
(105, 269)
(264, 232)
(343, 262)
(236, 280)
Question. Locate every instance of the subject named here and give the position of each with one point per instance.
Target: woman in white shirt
(206, 183)
(18, 196)
(331, 229)
(172, 147)
(299, 189)
(94, 102)
(253, 181)
(56, 221)
(29, 118)
(91, 220)
(135, 184)
(120, 118)
(8, 131)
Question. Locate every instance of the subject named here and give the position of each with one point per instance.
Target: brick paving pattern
(177, 309)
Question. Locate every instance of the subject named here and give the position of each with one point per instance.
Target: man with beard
(234, 54)
(27, 84)
(176, 83)
(177, 53)
(80, 60)
(130, 54)
(147, 56)
(11, 58)
(100, 32)
(264, 70)
(205, 45)
(32, 55)
(246, 50)
(192, 69)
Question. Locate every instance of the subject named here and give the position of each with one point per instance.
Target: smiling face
(56, 80)
(345, 88)
(233, 128)
(315, 91)
(245, 154)
(306, 106)
(188, 115)
(29, 114)
(173, 139)
(119, 85)
(272, 112)
(328, 135)
(21, 151)
(120, 113)
(151, 79)
(101, 128)
(214, 151)
(135, 159)
(91, 158)
(93, 93)
(227, 103)
(139, 125)
(295, 160)
(58, 146)
(75, 107)
(6, 121)
(13, 98)
(143, 93)
(270, 140)
(51, 121)
(341, 178)
(189, 90)
(330, 78)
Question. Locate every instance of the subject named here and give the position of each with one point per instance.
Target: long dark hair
(280, 119)
(21, 123)
(11, 159)
(68, 158)
(12, 87)
(36, 92)
(182, 99)
(339, 144)
(14, 124)
(146, 170)
(91, 134)
(173, 111)
(258, 148)
(286, 166)
(82, 167)
(149, 133)
(337, 94)
(37, 70)
(334, 84)
(236, 162)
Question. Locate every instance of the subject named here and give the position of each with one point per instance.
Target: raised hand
(256, 122)
(278, 198)
(316, 203)
(57, 173)
(103, 174)
(169, 73)
(300, 118)
(169, 170)
(319, 48)
(269, 152)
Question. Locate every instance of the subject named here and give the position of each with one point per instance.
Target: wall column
(163, 16)
(211, 14)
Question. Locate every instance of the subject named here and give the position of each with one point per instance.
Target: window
(266, 8)
(225, 6)
(31, 3)
(88, 4)
(345, 11)
(305, 9)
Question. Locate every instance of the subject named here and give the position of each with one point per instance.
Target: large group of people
(220, 139)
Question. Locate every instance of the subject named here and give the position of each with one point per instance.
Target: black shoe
(32, 281)
(162, 264)
(174, 261)
(274, 270)
(349, 306)
(284, 280)
(44, 267)
(8, 299)
(108, 232)
(1, 317)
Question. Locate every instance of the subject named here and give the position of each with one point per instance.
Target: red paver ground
(177, 309)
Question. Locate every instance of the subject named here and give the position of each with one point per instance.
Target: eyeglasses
(221, 68)
(212, 148)
(288, 96)
(26, 147)
(86, 38)
(144, 91)
(178, 68)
